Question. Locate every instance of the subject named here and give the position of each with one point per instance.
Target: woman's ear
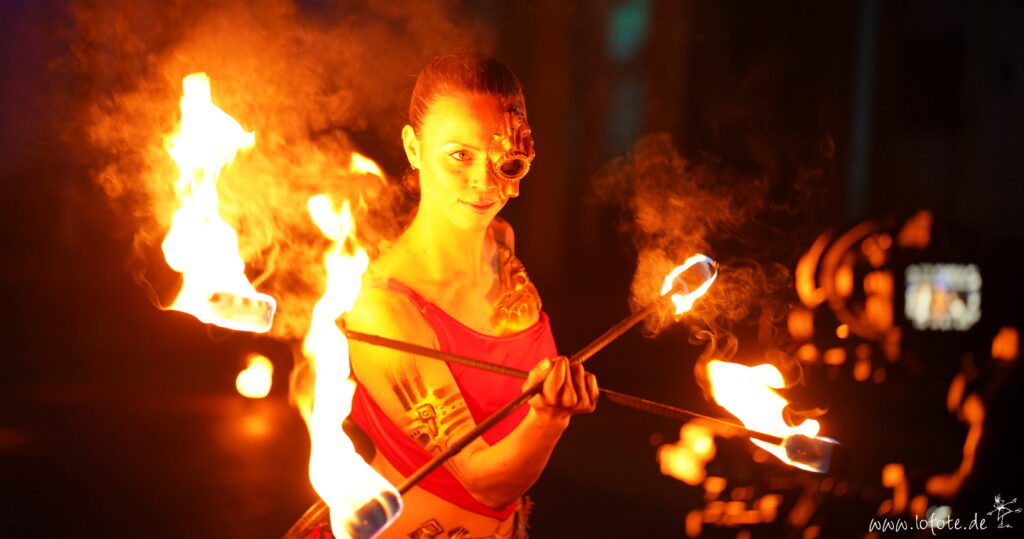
(411, 143)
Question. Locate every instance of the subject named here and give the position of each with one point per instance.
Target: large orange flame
(339, 475)
(749, 394)
(199, 244)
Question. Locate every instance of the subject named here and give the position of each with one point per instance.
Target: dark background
(117, 419)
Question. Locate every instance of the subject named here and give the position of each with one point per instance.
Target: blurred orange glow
(862, 369)
(875, 249)
(834, 356)
(844, 280)
(879, 375)
(1006, 344)
(694, 523)
(917, 231)
(878, 286)
(801, 324)
(255, 380)
(919, 506)
(894, 477)
(806, 285)
(808, 353)
(685, 459)
(973, 413)
(955, 395)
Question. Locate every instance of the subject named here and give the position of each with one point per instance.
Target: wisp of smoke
(675, 207)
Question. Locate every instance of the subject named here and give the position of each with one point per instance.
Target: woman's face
(450, 152)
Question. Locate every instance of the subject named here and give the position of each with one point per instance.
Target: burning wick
(200, 244)
(684, 285)
(749, 394)
(690, 281)
(816, 453)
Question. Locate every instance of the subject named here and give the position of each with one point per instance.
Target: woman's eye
(461, 155)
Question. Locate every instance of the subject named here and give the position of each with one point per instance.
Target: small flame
(749, 394)
(338, 474)
(685, 297)
(255, 380)
(199, 244)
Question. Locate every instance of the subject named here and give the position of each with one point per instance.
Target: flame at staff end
(689, 281)
(749, 394)
(200, 245)
(338, 474)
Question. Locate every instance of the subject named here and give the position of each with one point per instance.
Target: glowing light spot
(1006, 344)
(844, 280)
(917, 231)
(694, 523)
(862, 369)
(801, 324)
(685, 459)
(843, 331)
(835, 356)
(256, 379)
(879, 375)
(956, 392)
(919, 505)
(808, 353)
(947, 485)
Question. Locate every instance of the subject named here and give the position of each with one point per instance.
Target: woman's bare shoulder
(382, 311)
(503, 234)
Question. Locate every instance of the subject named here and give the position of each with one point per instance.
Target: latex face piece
(511, 153)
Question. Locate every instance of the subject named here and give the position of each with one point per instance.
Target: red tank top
(484, 393)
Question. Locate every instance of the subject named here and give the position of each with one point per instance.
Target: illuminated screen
(944, 297)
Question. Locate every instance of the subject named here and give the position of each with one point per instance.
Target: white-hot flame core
(256, 379)
(749, 394)
(201, 245)
(684, 302)
(338, 474)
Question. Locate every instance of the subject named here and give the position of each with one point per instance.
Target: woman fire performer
(451, 281)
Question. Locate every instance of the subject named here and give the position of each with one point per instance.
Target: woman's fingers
(553, 383)
(593, 390)
(579, 382)
(566, 387)
(569, 395)
(537, 374)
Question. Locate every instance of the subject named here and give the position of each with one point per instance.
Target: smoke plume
(314, 80)
(675, 207)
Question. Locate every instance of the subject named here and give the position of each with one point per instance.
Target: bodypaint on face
(511, 152)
